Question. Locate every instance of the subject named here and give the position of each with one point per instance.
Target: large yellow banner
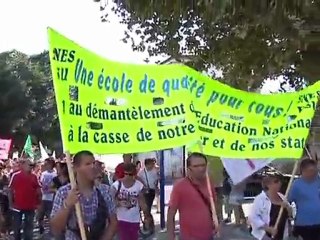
(110, 107)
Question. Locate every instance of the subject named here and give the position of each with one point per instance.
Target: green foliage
(14, 100)
(248, 41)
(27, 104)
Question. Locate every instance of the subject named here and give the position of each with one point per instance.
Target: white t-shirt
(46, 182)
(152, 177)
(128, 197)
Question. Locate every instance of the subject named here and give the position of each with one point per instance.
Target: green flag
(28, 147)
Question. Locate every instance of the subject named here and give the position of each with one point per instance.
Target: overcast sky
(24, 24)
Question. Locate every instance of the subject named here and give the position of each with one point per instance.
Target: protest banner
(238, 124)
(111, 107)
(5, 145)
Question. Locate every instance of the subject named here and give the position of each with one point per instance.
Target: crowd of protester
(117, 205)
(33, 192)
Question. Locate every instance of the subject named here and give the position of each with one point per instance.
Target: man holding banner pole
(189, 194)
(98, 208)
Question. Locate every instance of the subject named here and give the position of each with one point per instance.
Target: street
(227, 231)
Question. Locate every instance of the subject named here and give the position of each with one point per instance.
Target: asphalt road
(228, 232)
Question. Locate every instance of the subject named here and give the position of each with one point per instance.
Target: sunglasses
(129, 174)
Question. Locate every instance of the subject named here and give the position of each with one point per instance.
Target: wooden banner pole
(77, 206)
(294, 171)
(212, 205)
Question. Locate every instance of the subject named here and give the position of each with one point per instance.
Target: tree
(248, 41)
(27, 104)
(14, 97)
(44, 122)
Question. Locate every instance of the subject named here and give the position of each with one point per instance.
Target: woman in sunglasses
(265, 211)
(129, 199)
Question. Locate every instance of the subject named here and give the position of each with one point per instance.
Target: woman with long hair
(62, 177)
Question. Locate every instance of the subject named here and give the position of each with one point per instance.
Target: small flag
(43, 152)
(28, 147)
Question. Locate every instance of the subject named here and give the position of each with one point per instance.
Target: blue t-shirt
(306, 196)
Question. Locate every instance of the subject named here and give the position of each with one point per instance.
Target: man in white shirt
(46, 180)
(149, 177)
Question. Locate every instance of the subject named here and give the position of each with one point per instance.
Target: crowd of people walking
(117, 205)
(33, 192)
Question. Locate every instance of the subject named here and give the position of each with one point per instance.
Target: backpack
(118, 189)
(96, 229)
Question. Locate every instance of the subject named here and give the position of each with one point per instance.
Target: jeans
(45, 210)
(149, 198)
(27, 224)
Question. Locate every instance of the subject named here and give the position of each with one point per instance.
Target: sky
(24, 24)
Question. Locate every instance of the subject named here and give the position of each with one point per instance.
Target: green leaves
(249, 41)
(14, 99)
(27, 104)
